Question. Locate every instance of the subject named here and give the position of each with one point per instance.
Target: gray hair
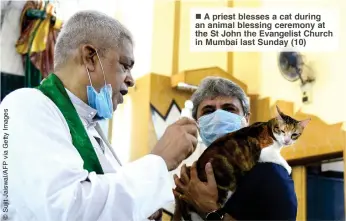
(89, 27)
(212, 87)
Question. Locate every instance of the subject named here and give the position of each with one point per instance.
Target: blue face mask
(217, 124)
(102, 101)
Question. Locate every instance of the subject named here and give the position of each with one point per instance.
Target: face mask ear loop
(104, 76)
(89, 76)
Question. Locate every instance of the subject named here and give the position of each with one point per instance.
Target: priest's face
(116, 64)
(118, 72)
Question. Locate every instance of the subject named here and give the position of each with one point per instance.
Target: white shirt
(46, 180)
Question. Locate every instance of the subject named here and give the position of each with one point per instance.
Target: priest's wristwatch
(215, 215)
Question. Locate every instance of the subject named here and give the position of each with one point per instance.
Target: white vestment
(46, 179)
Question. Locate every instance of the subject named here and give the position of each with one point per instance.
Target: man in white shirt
(58, 165)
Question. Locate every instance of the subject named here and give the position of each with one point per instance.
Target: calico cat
(236, 153)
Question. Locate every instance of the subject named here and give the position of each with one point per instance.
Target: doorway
(325, 190)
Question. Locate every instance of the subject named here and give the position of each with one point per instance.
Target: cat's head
(287, 130)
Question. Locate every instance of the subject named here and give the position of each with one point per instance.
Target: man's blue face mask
(215, 125)
(102, 101)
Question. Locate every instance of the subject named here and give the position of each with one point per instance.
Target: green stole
(53, 88)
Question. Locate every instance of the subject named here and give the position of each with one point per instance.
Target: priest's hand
(202, 196)
(177, 143)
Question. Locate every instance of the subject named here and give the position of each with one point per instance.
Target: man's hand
(177, 143)
(202, 196)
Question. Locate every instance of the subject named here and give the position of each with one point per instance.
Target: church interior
(167, 72)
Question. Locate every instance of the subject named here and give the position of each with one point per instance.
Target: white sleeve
(47, 181)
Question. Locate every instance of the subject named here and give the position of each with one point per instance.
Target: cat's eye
(282, 131)
(294, 136)
(276, 129)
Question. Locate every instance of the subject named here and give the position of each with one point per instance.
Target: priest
(59, 164)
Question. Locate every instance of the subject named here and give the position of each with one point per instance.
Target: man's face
(118, 72)
(230, 104)
(117, 65)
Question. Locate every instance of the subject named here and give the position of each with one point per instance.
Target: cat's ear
(278, 110)
(305, 122)
(279, 117)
